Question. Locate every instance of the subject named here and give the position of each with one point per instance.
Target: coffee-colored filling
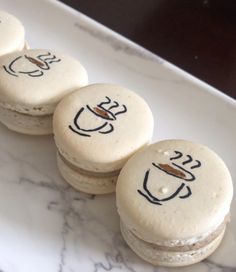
(89, 173)
(194, 246)
(26, 114)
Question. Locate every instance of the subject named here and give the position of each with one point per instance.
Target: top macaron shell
(174, 190)
(96, 142)
(34, 81)
(12, 33)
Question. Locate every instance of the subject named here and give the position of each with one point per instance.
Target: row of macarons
(96, 127)
(173, 197)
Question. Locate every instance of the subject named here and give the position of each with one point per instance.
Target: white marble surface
(47, 226)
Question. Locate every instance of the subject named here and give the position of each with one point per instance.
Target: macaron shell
(34, 81)
(108, 148)
(12, 33)
(190, 213)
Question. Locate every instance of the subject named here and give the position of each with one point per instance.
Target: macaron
(96, 130)
(32, 82)
(12, 34)
(174, 200)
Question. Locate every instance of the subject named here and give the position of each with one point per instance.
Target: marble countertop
(45, 225)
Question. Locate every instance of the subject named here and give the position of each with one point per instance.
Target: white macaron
(32, 82)
(174, 200)
(12, 34)
(97, 129)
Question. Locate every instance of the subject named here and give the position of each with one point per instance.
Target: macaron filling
(26, 123)
(86, 181)
(86, 172)
(186, 247)
(172, 256)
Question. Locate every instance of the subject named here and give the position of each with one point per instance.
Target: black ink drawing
(38, 65)
(183, 173)
(107, 111)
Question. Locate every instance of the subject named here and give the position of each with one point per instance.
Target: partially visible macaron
(32, 82)
(174, 200)
(12, 34)
(96, 131)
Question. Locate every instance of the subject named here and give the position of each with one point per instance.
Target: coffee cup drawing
(31, 66)
(103, 115)
(180, 172)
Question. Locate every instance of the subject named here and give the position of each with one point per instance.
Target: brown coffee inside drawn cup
(101, 112)
(169, 169)
(35, 61)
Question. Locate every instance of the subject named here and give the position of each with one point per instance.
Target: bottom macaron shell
(86, 183)
(27, 124)
(149, 253)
